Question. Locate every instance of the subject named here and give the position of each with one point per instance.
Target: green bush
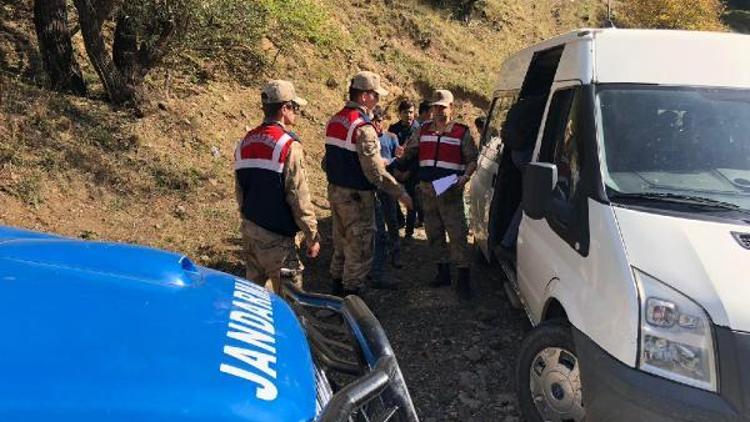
(217, 24)
(298, 20)
(230, 31)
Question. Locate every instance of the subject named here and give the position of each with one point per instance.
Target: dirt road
(458, 359)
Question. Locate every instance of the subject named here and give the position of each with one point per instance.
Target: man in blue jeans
(386, 220)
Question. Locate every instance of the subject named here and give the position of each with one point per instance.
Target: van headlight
(675, 338)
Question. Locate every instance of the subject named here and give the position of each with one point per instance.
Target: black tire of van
(550, 334)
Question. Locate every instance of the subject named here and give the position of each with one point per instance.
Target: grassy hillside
(163, 175)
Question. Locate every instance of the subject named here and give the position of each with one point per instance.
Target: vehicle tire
(548, 376)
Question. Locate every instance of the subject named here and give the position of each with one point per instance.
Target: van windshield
(681, 146)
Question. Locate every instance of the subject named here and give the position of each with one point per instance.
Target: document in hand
(444, 183)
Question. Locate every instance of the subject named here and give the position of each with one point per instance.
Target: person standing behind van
(354, 170)
(444, 148)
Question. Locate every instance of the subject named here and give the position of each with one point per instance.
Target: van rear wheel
(548, 376)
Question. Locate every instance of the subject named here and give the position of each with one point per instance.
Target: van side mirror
(539, 180)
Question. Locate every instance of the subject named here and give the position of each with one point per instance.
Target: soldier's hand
(406, 200)
(462, 180)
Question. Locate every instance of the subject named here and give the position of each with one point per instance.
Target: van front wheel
(548, 376)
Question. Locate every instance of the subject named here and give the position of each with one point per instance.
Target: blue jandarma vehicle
(94, 331)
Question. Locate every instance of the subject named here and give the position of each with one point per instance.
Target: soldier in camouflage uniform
(271, 189)
(444, 148)
(354, 170)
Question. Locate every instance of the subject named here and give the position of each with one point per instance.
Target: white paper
(444, 183)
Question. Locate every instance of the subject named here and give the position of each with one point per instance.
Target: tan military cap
(368, 81)
(442, 97)
(279, 91)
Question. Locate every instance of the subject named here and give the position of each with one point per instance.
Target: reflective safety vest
(440, 153)
(259, 168)
(342, 161)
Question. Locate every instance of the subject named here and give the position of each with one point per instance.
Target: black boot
(443, 277)
(463, 284)
(337, 288)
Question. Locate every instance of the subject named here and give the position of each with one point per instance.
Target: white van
(633, 254)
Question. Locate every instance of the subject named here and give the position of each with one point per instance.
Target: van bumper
(613, 391)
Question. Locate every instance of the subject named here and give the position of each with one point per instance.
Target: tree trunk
(51, 22)
(91, 16)
(123, 72)
(134, 61)
(125, 47)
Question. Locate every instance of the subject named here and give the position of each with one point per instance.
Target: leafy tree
(142, 33)
(126, 39)
(227, 31)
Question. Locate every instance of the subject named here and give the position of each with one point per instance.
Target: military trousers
(444, 214)
(353, 215)
(266, 253)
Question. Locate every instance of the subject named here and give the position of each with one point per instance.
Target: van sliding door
(519, 133)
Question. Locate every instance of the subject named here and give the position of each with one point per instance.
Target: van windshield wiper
(677, 199)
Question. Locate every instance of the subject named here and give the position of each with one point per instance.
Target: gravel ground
(458, 359)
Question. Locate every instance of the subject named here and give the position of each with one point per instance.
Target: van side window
(567, 158)
(560, 144)
(521, 127)
(498, 114)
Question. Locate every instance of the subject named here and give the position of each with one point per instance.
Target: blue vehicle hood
(104, 331)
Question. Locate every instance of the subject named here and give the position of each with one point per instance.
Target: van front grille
(743, 239)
